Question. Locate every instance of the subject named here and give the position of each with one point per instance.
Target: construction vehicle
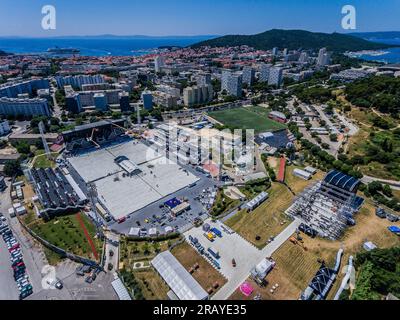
(209, 236)
(298, 242)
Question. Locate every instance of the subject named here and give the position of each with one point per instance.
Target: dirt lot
(297, 184)
(296, 266)
(265, 221)
(205, 275)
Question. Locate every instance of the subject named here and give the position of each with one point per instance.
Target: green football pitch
(254, 117)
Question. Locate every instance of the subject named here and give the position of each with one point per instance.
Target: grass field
(247, 118)
(266, 220)
(66, 232)
(223, 204)
(152, 285)
(41, 161)
(205, 275)
(134, 251)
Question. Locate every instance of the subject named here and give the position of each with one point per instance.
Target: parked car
(59, 284)
(89, 279)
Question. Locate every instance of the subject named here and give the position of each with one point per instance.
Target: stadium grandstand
(92, 134)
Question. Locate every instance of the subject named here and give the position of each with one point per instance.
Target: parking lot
(16, 277)
(229, 246)
(194, 195)
(9, 289)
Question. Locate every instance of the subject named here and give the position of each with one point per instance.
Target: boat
(57, 50)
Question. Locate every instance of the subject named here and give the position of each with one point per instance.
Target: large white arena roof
(178, 279)
(122, 194)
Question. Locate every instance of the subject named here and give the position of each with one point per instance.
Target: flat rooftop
(123, 194)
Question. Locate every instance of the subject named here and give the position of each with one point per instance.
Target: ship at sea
(57, 50)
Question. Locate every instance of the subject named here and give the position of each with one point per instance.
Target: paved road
(229, 288)
(394, 184)
(112, 244)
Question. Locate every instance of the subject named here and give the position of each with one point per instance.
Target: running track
(88, 237)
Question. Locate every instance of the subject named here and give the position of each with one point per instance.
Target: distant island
(295, 39)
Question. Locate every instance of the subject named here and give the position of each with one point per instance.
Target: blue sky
(192, 17)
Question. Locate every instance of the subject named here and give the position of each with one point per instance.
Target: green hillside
(295, 39)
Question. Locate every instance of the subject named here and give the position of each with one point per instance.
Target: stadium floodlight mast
(92, 192)
(45, 145)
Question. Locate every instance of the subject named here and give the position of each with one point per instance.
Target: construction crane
(45, 145)
(90, 139)
(128, 132)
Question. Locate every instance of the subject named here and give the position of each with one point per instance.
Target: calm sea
(391, 55)
(96, 46)
(139, 46)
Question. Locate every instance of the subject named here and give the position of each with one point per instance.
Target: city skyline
(182, 18)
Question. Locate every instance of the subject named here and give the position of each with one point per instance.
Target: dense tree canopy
(381, 93)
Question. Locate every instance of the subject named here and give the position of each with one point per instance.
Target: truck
(209, 236)
(213, 252)
(217, 232)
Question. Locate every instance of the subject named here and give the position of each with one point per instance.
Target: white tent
(177, 278)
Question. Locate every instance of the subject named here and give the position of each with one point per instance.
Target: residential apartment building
(13, 89)
(264, 72)
(275, 76)
(198, 95)
(24, 107)
(248, 75)
(79, 80)
(159, 62)
(147, 99)
(324, 57)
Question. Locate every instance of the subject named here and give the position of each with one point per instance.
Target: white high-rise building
(231, 83)
(248, 75)
(275, 51)
(159, 62)
(275, 76)
(235, 85)
(203, 79)
(264, 72)
(303, 57)
(198, 95)
(324, 58)
(224, 79)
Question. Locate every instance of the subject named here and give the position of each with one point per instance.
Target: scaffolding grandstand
(328, 206)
